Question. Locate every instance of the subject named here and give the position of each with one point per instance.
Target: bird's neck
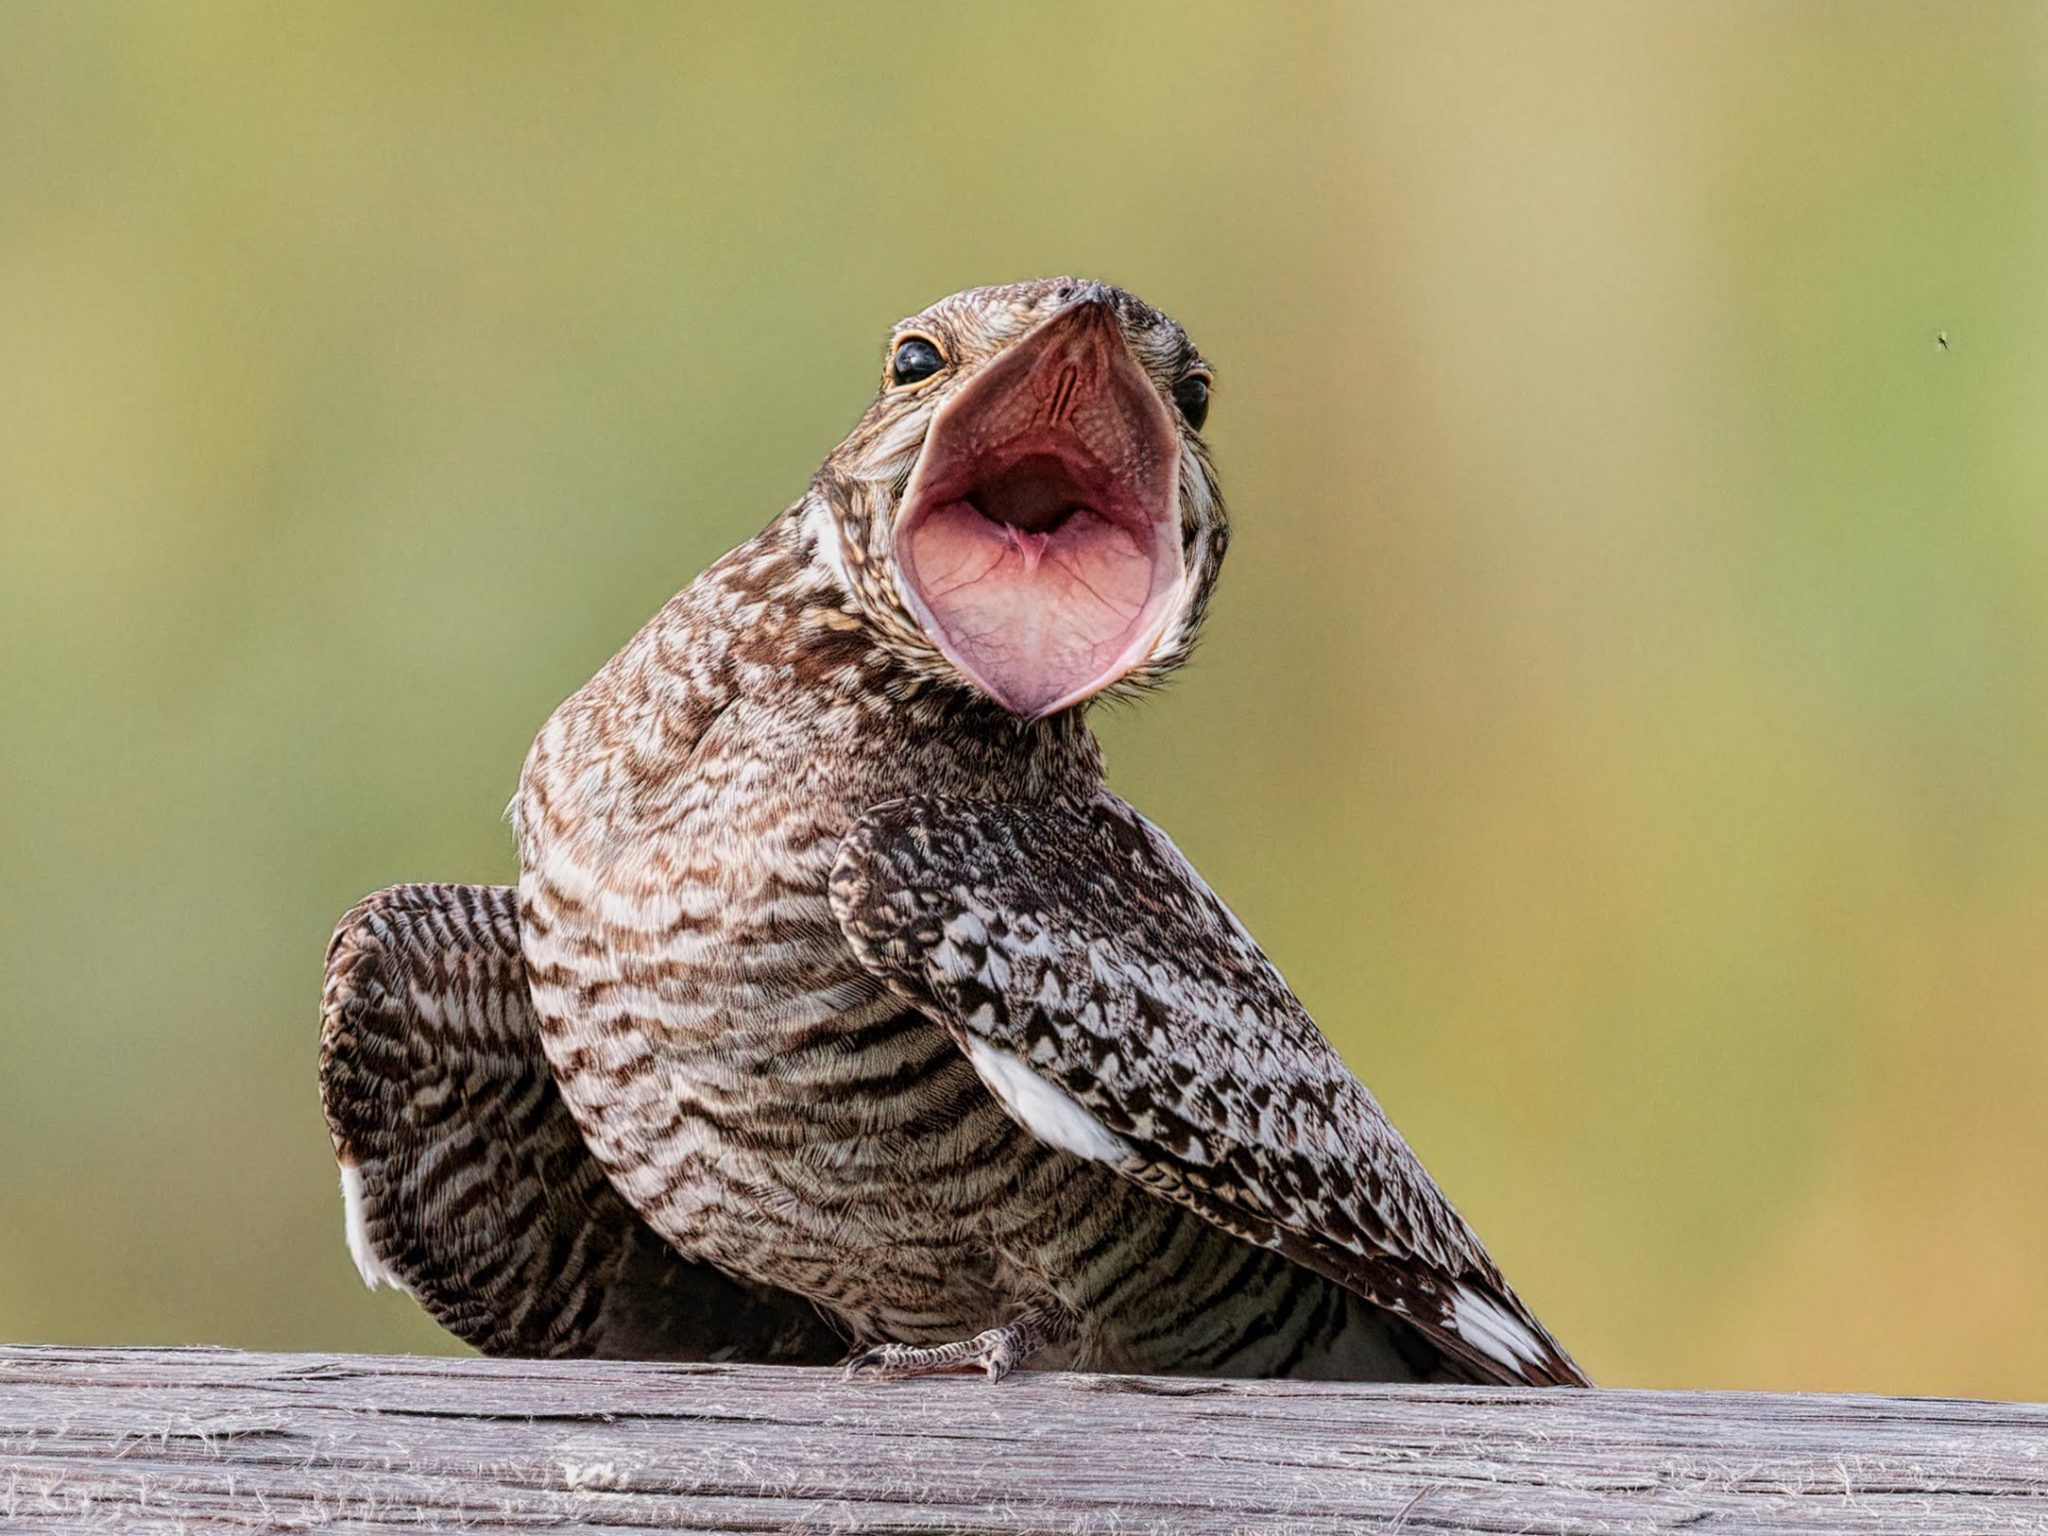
(826, 657)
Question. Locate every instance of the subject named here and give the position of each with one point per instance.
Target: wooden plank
(215, 1440)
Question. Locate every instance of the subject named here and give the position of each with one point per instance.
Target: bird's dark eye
(914, 360)
(1191, 394)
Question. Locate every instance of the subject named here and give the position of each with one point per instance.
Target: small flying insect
(1941, 340)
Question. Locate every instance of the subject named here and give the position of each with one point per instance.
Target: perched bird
(842, 1008)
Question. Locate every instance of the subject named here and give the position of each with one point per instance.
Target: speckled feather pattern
(779, 1090)
(1077, 940)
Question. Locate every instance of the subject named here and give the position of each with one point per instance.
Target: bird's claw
(995, 1352)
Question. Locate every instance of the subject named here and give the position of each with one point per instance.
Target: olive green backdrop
(1625, 715)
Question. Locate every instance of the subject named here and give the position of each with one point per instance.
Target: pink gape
(1040, 533)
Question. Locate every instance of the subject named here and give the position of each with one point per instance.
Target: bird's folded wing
(1120, 1012)
(465, 1179)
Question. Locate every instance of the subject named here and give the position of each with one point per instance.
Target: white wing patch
(369, 1265)
(1051, 1114)
(1486, 1325)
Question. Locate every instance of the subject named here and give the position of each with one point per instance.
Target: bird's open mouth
(1039, 538)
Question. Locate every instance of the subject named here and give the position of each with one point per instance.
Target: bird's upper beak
(1039, 537)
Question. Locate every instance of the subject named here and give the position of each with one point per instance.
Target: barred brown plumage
(856, 984)
(468, 1185)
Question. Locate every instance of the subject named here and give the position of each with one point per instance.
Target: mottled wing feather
(467, 1181)
(1077, 942)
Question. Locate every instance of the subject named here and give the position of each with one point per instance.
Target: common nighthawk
(841, 1008)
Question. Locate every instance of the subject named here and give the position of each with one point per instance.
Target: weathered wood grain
(213, 1440)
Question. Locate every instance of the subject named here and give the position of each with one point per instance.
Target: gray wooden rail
(213, 1440)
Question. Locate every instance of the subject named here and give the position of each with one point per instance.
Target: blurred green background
(1625, 717)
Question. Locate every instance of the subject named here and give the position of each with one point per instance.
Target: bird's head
(1028, 505)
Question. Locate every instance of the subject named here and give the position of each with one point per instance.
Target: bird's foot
(996, 1351)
